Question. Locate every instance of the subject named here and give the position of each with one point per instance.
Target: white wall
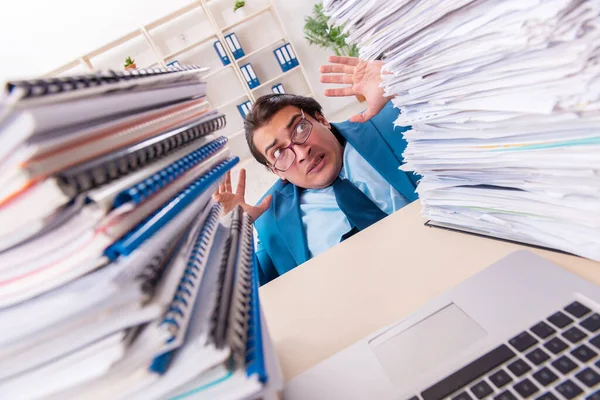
(37, 36)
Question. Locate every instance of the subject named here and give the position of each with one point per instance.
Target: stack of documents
(504, 102)
(119, 278)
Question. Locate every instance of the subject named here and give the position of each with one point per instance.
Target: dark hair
(266, 107)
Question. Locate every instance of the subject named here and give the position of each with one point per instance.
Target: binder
(221, 52)
(286, 57)
(234, 45)
(244, 108)
(250, 76)
(293, 59)
(102, 170)
(174, 63)
(162, 216)
(278, 89)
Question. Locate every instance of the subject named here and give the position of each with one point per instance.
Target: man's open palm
(364, 78)
(229, 200)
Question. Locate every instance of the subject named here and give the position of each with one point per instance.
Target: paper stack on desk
(118, 276)
(504, 102)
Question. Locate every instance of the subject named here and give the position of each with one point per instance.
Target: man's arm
(266, 268)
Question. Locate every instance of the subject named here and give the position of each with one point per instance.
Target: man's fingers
(364, 117)
(241, 186)
(347, 91)
(337, 68)
(343, 60)
(228, 181)
(266, 203)
(345, 78)
(222, 187)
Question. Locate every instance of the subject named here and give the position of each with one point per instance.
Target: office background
(40, 37)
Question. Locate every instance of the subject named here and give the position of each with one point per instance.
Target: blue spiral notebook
(158, 219)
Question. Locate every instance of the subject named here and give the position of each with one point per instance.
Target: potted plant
(318, 32)
(130, 64)
(234, 14)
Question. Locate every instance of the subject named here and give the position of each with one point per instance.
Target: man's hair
(266, 107)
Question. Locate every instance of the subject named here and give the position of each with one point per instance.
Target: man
(335, 179)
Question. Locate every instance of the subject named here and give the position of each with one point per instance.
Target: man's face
(318, 161)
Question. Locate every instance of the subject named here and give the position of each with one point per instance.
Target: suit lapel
(369, 144)
(286, 204)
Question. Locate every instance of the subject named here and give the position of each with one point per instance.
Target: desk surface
(373, 279)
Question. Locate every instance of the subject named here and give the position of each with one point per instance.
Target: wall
(37, 36)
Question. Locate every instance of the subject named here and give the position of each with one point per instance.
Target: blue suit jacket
(282, 240)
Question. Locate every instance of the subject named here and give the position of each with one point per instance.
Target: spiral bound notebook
(104, 169)
(240, 327)
(177, 318)
(142, 190)
(105, 82)
(163, 215)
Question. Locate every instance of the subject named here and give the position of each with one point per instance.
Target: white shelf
(216, 71)
(278, 77)
(236, 134)
(282, 39)
(230, 102)
(247, 18)
(189, 47)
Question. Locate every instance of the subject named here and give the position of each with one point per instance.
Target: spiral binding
(105, 169)
(45, 87)
(182, 304)
(239, 317)
(148, 278)
(145, 229)
(142, 190)
(226, 280)
(237, 288)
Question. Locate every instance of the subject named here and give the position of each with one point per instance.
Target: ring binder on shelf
(244, 108)
(221, 52)
(286, 57)
(234, 45)
(250, 76)
(104, 169)
(162, 216)
(278, 89)
(142, 190)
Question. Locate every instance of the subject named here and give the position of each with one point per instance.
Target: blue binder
(278, 89)
(221, 52)
(234, 45)
(250, 76)
(286, 57)
(244, 108)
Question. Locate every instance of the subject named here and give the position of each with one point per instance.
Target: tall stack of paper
(504, 102)
(118, 277)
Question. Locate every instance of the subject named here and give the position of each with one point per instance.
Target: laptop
(523, 328)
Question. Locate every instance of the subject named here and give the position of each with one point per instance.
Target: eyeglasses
(284, 158)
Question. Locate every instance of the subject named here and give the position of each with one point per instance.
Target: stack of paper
(118, 278)
(504, 102)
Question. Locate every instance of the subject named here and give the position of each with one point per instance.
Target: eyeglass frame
(293, 143)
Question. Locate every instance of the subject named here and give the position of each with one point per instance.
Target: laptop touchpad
(414, 350)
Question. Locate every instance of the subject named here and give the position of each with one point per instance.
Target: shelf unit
(167, 39)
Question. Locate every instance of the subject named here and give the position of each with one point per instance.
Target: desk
(374, 279)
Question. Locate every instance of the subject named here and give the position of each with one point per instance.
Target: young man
(335, 178)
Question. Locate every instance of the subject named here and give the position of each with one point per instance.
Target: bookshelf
(187, 35)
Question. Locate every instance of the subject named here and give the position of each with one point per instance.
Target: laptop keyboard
(554, 359)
